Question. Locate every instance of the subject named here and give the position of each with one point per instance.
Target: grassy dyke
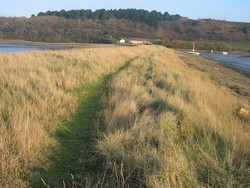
(74, 155)
(168, 125)
(35, 95)
(164, 122)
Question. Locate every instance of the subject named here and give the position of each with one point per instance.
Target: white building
(122, 41)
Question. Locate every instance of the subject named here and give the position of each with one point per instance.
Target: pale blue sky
(231, 10)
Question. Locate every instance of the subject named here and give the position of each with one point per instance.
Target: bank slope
(168, 125)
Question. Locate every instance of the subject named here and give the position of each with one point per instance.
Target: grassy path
(74, 153)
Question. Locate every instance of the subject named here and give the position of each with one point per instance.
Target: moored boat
(193, 51)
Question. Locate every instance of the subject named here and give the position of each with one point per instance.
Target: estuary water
(14, 48)
(239, 61)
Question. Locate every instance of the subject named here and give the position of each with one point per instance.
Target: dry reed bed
(36, 94)
(167, 125)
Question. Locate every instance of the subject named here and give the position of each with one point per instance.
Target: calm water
(239, 61)
(13, 48)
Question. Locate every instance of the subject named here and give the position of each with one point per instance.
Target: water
(239, 61)
(14, 48)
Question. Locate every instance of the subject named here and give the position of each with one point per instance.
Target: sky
(230, 10)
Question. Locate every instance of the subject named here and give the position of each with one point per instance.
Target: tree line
(152, 18)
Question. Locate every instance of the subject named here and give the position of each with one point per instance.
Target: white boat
(193, 51)
(224, 53)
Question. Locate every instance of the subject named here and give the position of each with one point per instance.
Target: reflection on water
(14, 48)
(239, 61)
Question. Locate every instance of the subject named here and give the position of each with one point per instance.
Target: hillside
(108, 26)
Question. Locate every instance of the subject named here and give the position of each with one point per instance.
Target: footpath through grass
(73, 158)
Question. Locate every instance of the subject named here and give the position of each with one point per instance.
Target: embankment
(163, 121)
(166, 124)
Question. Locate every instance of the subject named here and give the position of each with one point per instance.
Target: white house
(122, 41)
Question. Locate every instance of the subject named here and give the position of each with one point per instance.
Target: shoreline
(216, 52)
(70, 44)
(243, 71)
(234, 68)
(17, 41)
(236, 80)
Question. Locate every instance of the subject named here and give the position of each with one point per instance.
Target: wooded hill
(151, 18)
(106, 26)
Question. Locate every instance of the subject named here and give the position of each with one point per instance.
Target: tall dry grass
(36, 94)
(167, 125)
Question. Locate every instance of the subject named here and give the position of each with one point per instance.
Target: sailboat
(193, 51)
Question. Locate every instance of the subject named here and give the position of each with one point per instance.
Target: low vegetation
(240, 47)
(159, 121)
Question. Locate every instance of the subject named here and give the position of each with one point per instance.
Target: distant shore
(69, 44)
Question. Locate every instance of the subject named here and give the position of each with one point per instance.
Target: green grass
(217, 161)
(240, 47)
(74, 154)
